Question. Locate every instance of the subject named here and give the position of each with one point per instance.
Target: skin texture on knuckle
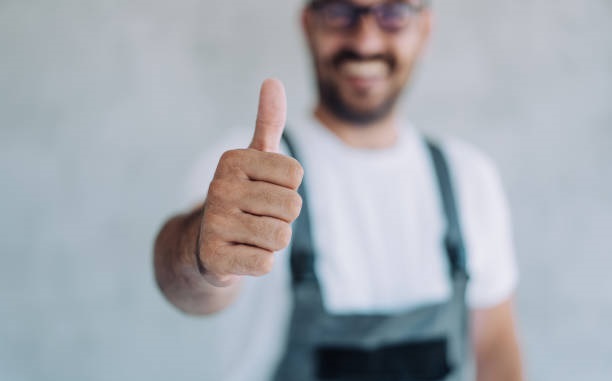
(283, 236)
(266, 229)
(268, 196)
(293, 206)
(263, 264)
(228, 226)
(231, 162)
(224, 195)
(215, 242)
(267, 233)
(295, 173)
(212, 219)
(224, 266)
(267, 264)
(230, 157)
(216, 191)
(220, 279)
(297, 206)
(245, 260)
(234, 263)
(211, 257)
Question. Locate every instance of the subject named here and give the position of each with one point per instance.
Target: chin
(363, 116)
(361, 108)
(367, 111)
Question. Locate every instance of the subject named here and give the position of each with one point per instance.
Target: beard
(332, 99)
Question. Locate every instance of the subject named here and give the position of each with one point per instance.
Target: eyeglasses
(390, 16)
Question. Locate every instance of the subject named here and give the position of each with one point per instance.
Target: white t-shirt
(377, 225)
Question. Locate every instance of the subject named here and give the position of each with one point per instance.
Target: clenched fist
(252, 199)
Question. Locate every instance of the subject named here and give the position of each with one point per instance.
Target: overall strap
(453, 239)
(302, 251)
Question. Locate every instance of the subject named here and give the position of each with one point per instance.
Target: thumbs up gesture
(252, 199)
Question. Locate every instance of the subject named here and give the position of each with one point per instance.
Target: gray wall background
(104, 104)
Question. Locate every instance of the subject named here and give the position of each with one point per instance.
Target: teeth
(365, 69)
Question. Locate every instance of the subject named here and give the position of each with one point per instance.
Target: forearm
(496, 344)
(176, 270)
(505, 365)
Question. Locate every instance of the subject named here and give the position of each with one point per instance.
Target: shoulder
(486, 223)
(478, 186)
(466, 160)
(476, 179)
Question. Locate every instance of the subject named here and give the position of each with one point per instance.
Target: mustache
(346, 55)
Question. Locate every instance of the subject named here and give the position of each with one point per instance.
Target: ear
(306, 21)
(425, 25)
(307, 24)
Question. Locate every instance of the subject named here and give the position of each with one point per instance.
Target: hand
(252, 199)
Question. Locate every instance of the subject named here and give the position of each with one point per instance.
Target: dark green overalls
(427, 343)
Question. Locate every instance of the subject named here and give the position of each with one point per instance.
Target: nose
(367, 38)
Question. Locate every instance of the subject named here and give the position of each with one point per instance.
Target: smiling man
(400, 265)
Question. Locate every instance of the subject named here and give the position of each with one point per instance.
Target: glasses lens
(338, 14)
(394, 16)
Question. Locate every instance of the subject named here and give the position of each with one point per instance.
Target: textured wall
(103, 105)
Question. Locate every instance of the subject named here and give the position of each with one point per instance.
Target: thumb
(271, 116)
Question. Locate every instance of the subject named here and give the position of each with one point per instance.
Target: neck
(377, 135)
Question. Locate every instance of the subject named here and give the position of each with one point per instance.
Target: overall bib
(426, 343)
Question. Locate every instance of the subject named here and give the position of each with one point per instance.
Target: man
(401, 264)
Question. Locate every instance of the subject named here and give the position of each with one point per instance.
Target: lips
(364, 69)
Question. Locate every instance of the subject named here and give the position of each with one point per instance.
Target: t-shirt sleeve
(201, 173)
(486, 225)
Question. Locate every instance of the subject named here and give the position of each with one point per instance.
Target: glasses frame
(357, 12)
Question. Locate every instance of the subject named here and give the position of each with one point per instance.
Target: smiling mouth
(365, 70)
